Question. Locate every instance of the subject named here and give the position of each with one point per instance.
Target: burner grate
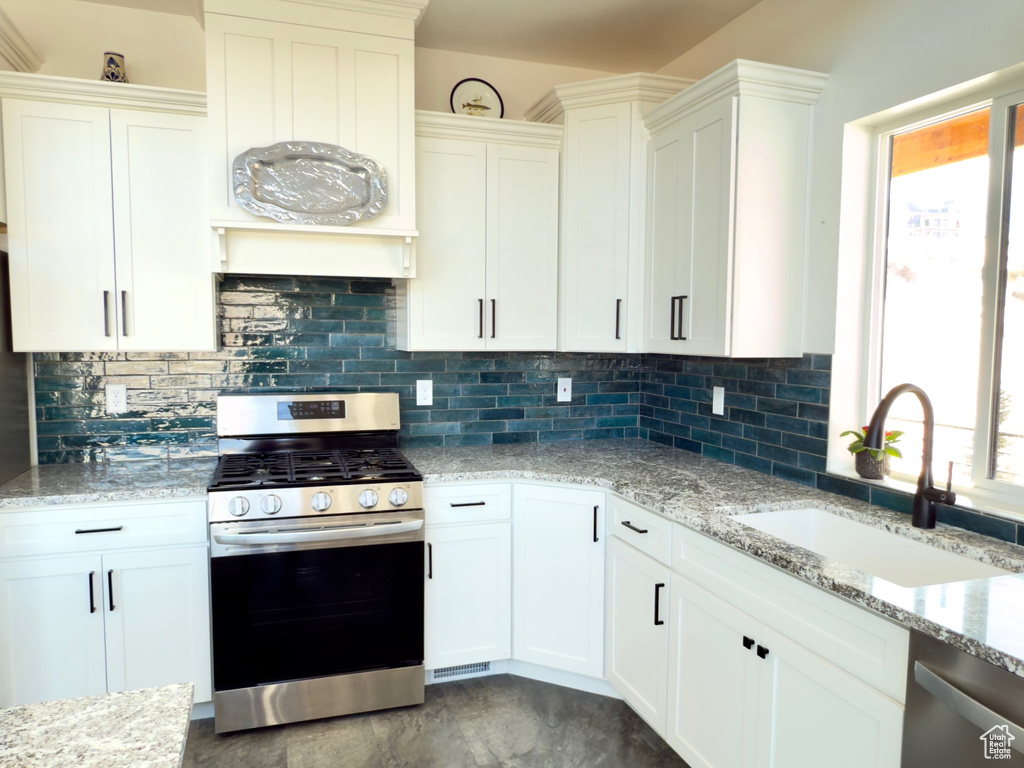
(282, 468)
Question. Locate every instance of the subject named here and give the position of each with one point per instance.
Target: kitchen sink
(880, 553)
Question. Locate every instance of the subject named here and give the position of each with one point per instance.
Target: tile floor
(483, 722)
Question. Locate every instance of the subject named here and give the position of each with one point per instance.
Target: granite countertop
(981, 616)
(134, 729)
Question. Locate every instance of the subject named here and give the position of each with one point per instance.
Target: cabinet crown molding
(740, 77)
(15, 49)
(487, 129)
(331, 14)
(100, 93)
(638, 86)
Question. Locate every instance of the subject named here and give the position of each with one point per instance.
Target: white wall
(878, 54)
(520, 83)
(162, 49)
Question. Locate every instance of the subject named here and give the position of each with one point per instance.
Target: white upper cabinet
(487, 251)
(601, 254)
(107, 224)
(728, 172)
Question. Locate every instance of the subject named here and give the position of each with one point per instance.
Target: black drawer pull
(633, 527)
(99, 530)
(762, 651)
(748, 642)
(467, 504)
(110, 587)
(595, 523)
(657, 604)
(618, 318)
(430, 561)
(480, 335)
(92, 594)
(494, 321)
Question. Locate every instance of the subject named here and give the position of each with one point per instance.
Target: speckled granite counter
(982, 616)
(116, 481)
(135, 729)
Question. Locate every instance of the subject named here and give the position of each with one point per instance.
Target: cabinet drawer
(643, 529)
(467, 502)
(864, 644)
(106, 527)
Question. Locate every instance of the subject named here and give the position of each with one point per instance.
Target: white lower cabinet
(84, 610)
(558, 578)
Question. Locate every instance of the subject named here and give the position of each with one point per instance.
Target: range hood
(333, 72)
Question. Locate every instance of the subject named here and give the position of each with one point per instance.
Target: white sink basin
(886, 555)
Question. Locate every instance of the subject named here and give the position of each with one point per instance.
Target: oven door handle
(324, 534)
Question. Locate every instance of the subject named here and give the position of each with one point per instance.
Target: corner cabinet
(107, 226)
(487, 252)
(728, 178)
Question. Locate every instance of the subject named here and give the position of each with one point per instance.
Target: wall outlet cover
(424, 392)
(718, 401)
(565, 390)
(117, 398)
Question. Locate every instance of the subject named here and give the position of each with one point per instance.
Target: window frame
(986, 493)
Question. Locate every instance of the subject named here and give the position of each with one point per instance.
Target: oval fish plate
(304, 182)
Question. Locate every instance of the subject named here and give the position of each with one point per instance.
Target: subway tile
(805, 444)
(796, 392)
(500, 438)
(797, 475)
(986, 525)
(844, 487)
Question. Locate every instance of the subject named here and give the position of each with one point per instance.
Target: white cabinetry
(103, 598)
(728, 173)
(109, 244)
(468, 599)
(604, 171)
(558, 578)
(486, 257)
(796, 673)
(638, 599)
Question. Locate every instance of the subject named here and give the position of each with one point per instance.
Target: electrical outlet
(718, 401)
(424, 392)
(117, 398)
(565, 390)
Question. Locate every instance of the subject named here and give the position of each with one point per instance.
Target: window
(950, 314)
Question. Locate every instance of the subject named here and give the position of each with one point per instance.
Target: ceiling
(607, 35)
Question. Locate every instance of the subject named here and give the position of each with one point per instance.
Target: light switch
(424, 392)
(718, 401)
(565, 390)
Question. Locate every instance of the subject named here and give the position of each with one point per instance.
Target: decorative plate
(303, 182)
(476, 97)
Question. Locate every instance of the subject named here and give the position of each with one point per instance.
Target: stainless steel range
(316, 546)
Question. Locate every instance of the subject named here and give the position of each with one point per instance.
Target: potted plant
(873, 463)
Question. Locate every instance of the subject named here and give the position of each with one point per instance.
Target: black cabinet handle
(762, 651)
(595, 523)
(493, 314)
(92, 593)
(467, 504)
(633, 527)
(480, 334)
(748, 642)
(657, 604)
(110, 587)
(430, 560)
(124, 313)
(99, 530)
(106, 313)
(672, 319)
(618, 318)
(680, 336)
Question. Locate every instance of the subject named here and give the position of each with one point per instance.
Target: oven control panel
(225, 506)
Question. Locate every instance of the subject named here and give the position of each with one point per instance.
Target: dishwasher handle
(966, 706)
(326, 534)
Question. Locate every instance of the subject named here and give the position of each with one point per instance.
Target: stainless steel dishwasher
(961, 711)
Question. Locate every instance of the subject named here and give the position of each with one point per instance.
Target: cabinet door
(158, 619)
(51, 633)
(558, 573)
(714, 678)
(638, 629)
(446, 299)
(468, 600)
(522, 247)
(59, 212)
(596, 221)
(810, 709)
(165, 287)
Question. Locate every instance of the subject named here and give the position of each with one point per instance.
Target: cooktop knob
(321, 501)
(368, 499)
(238, 506)
(271, 504)
(398, 497)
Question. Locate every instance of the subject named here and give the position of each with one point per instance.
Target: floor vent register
(461, 671)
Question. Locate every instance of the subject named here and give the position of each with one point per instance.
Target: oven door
(300, 599)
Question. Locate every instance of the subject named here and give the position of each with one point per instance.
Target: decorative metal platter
(303, 182)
